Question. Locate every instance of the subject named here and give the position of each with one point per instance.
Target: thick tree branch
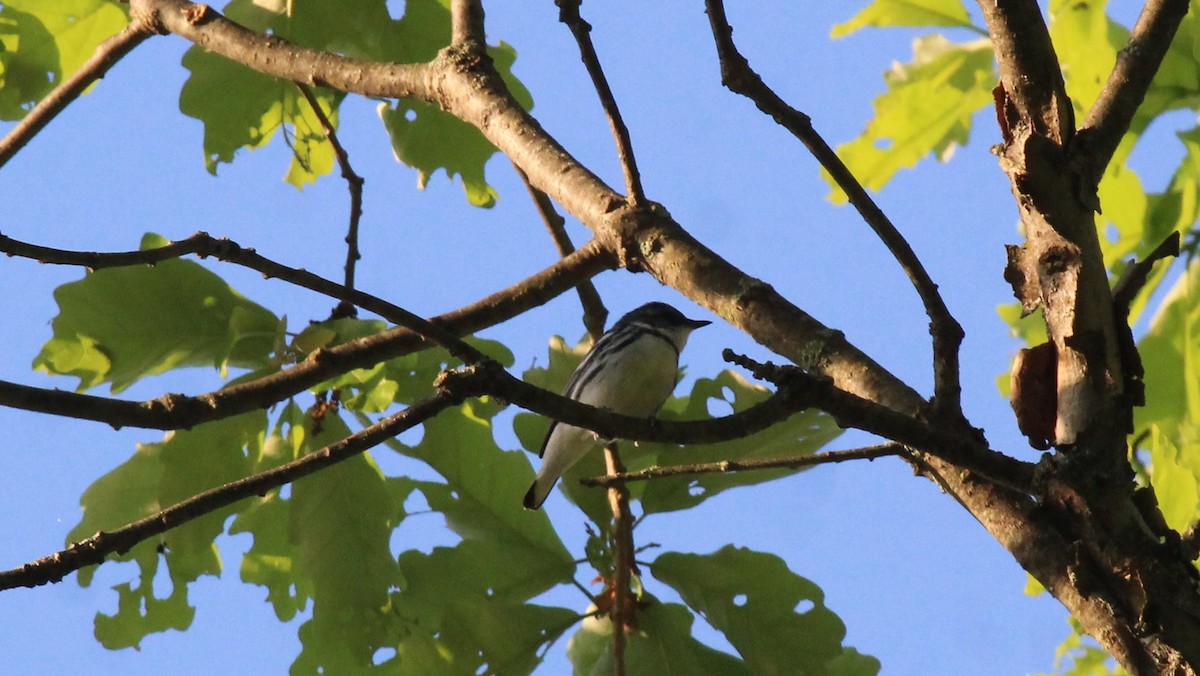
(95, 549)
(797, 391)
(174, 411)
(947, 334)
(726, 466)
(463, 82)
(582, 30)
(466, 22)
(1029, 68)
(1112, 114)
(466, 86)
(277, 57)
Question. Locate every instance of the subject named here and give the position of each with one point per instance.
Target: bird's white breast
(636, 380)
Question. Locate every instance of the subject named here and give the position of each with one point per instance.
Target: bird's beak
(697, 323)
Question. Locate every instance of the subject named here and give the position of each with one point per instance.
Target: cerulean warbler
(631, 370)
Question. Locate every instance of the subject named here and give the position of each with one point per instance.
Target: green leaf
(662, 643)
(883, 13)
(1079, 655)
(427, 139)
(41, 40)
(270, 561)
(1086, 42)
(241, 108)
(482, 496)
(1171, 356)
(119, 325)
(775, 619)
(341, 520)
(469, 599)
(159, 475)
(927, 109)
(1175, 475)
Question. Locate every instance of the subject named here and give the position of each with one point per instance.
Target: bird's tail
(539, 491)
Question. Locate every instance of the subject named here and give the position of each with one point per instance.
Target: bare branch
(174, 411)
(354, 183)
(569, 14)
(739, 77)
(849, 410)
(277, 57)
(797, 391)
(1112, 114)
(594, 312)
(726, 466)
(623, 564)
(1135, 276)
(466, 22)
(95, 549)
(105, 57)
(1029, 70)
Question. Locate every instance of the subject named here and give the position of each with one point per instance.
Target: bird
(631, 370)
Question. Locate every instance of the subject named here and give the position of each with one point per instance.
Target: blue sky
(917, 581)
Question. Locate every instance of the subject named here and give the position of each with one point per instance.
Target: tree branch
(354, 184)
(107, 54)
(95, 549)
(1112, 114)
(569, 14)
(726, 466)
(622, 537)
(594, 313)
(466, 22)
(228, 251)
(1029, 70)
(947, 334)
(174, 411)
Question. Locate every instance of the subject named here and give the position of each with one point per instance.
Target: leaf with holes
(775, 619)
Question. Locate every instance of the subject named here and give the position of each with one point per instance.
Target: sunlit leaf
(341, 520)
(160, 475)
(119, 325)
(777, 620)
(927, 109)
(882, 13)
(41, 41)
(1086, 42)
(1171, 355)
(1175, 475)
(661, 643)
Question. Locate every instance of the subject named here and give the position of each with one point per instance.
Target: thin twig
(174, 411)
(107, 54)
(95, 549)
(726, 466)
(594, 312)
(226, 250)
(1135, 276)
(739, 77)
(622, 606)
(1113, 111)
(569, 14)
(354, 183)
